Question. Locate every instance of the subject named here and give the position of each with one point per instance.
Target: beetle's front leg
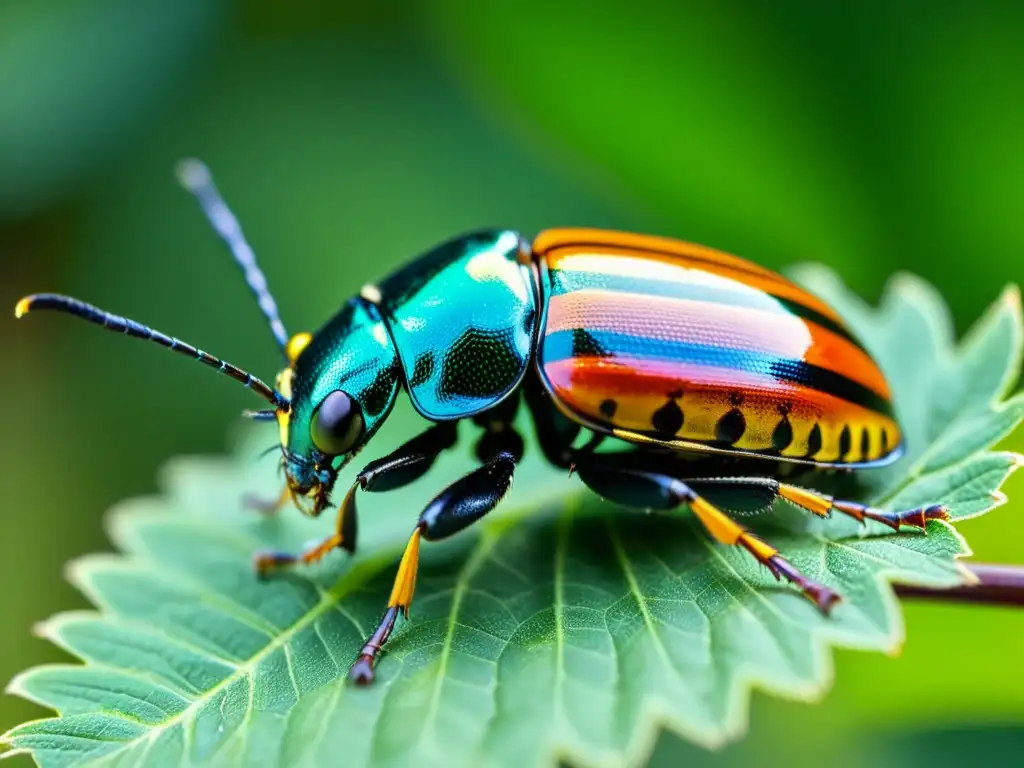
(401, 467)
(462, 503)
(269, 507)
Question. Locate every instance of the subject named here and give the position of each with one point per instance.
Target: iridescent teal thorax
(463, 319)
(456, 327)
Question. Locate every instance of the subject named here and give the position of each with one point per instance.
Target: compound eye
(337, 424)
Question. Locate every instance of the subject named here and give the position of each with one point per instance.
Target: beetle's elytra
(685, 356)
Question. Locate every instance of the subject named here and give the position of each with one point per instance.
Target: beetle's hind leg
(654, 490)
(822, 505)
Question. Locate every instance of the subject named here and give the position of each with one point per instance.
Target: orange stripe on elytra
(721, 325)
(570, 236)
(835, 353)
(611, 260)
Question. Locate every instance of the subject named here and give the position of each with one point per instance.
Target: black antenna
(197, 179)
(131, 328)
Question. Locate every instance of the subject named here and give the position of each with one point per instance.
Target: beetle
(714, 373)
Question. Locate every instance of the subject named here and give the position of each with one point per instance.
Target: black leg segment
(459, 505)
(407, 463)
(614, 479)
(555, 432)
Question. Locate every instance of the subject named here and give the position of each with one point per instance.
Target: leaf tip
(894, 651)
(908, 283)
(45, 629)
(15, 686)
(80, 572)
(813, 271)
(7, 748)
(967, 576)
(921, 297)
(49, 628)
(1011, 297)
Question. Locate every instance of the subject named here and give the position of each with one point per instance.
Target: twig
(997, 585)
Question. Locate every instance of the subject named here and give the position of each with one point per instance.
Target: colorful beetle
(697, 361)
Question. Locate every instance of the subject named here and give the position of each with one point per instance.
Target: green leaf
(562, 627)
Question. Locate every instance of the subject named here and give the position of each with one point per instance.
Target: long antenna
(139, 331)
(197, 179)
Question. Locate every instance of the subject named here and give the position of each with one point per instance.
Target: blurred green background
(350, 136)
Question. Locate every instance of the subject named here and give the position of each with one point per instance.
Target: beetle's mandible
(710, 372)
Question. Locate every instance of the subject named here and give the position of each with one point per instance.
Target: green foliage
(564, 626)
(52, 78)
(778, 131)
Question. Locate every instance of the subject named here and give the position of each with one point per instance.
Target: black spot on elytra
(675, 394)
(865, 444)
(730, 428)
(814, 441)
(585, 345)
(782, 436)
(845, 441)
(885, 440)
(608, 408)
(736, 398)
(422, 370)
(668, 420)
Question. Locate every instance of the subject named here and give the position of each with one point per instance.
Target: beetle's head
(338, 385)
(336, 431)
(341, 385)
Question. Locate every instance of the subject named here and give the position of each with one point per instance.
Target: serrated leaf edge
(639, 748)
(655, 715)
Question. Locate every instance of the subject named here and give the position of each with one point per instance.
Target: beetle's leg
(499, 434)
(637, 488)
(266, 506)
(402, 466)
(822, 505)
(344, 532)
(555, 432)
(462, 503)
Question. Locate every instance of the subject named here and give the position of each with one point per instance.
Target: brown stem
(997, 585)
